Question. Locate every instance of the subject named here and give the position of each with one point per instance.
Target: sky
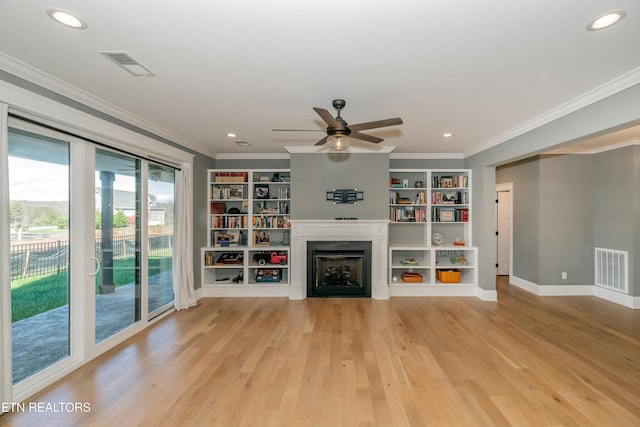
(43, 181)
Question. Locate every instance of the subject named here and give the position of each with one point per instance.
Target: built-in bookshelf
(430, 232)
(248, 219)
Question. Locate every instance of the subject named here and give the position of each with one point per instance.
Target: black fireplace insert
(339, 269)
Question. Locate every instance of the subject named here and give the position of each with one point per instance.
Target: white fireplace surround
(374, 231)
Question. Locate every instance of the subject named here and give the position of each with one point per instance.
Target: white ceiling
(485, 71)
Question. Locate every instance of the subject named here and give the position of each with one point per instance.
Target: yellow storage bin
(448, 276)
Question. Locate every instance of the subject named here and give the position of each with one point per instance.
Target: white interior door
(503, 210)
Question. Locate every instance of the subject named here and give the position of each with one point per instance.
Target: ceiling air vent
(127, 62)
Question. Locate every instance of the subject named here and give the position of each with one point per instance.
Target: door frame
(500, 188)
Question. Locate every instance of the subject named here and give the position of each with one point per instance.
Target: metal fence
(38, 259)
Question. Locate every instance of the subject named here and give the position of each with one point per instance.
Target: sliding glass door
(160, 232)
(91, 234)
(39, 252)
(117, 250)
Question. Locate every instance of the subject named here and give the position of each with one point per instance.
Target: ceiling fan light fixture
(66, 18)
(338, 142)
(606, 20)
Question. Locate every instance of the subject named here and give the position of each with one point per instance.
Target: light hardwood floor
(521, 361)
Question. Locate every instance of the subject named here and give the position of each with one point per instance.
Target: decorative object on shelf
(235, 191)
(276, 177)
(262, 191)
(261, 238)
(268, 275)
(437, 239)
(419, 184)
(218, 208)
(448, 276)
(409, 261)
(411, 277)
(447, 215)
(230, 258)
(345, 195)
(458, 242)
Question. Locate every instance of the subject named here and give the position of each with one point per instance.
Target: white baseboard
(487, 295)
(576, 290)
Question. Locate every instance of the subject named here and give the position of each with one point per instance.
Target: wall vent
(612, 269)
(126, 61)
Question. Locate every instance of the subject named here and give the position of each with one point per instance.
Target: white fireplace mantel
(374, 231)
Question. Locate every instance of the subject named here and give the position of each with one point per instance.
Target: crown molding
(252, 156)
(426, 156)
(323, 149)
(48, 82)
(612, 87)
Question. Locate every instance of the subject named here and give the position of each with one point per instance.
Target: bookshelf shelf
(423, 204)
(248, 215)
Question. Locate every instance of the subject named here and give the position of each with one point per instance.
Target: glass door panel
(39, 251)
(161, 191)
(118, 284)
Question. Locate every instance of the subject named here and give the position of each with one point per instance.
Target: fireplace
(350, 233)
(339, 269)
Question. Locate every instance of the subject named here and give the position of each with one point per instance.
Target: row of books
(231, 177)
(227, 192)
(450, 198)
(450, 215)
(449, 181)
(396, 198)
(408, 214)
(271, 222)
(229, 221)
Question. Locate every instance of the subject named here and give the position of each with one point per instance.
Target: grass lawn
(35, 295)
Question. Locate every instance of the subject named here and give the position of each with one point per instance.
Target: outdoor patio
(43, 339)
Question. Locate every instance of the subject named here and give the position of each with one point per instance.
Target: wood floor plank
(523, 360)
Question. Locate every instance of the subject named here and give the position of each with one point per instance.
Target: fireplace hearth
(339, 269)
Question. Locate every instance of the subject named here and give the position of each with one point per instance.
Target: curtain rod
(93, 141)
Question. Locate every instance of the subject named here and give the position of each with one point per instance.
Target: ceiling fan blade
(298, 130)
(323, 140)
(365, 137)
(376, 124)
(326, 116)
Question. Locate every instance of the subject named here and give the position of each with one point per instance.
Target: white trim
(609, 88)
(572, 150)
(617, 297)
(487, 294)
(261, 291)
(454, 290)
(294, 149)
(426, 156)
(5, 281)
(252, 156)
(35, 76)
(576, 290)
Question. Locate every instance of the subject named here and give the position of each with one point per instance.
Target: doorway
(504, 229)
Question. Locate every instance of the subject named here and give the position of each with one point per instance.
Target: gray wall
(312, 175)
(614, 112)
(616, 207)
(564, 206)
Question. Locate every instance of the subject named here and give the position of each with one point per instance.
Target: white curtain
(183, 286)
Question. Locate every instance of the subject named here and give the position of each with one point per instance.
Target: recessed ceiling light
(66, 18)
(242, 143)
(606, 20)
(447, 135)
(231, 135)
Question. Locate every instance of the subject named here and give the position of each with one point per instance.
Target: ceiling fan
(339, 132)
